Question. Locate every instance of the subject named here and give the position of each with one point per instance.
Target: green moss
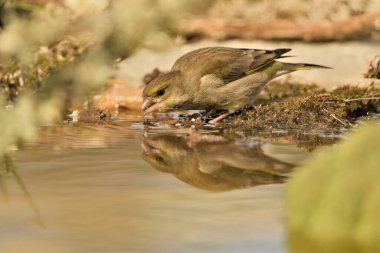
(317, 109)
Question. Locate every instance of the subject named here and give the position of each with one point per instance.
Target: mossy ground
(301, 107)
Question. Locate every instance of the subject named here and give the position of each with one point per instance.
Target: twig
(358, 99)
(335, 117)
(12, 169)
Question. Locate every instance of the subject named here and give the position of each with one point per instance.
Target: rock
(119, 94)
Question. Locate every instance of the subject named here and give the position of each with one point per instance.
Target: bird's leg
(220, 117)
(193, 137)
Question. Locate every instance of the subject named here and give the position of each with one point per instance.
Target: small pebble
(74, 116)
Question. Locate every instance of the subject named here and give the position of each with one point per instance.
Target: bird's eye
(160, 92)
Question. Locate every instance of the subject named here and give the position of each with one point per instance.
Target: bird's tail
(301, 66)
(277, 68)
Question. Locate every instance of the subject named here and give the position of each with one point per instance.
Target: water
(116, 189)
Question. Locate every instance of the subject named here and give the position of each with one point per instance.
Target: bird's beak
(149, 106)
(146, 104)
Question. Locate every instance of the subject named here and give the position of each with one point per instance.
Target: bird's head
(163, 93)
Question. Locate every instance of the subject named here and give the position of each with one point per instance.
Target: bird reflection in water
(215, 163)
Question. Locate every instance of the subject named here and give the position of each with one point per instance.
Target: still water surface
(116, 189)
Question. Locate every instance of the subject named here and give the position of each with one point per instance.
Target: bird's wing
(226, 64)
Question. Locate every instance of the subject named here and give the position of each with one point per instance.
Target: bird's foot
(217, 119)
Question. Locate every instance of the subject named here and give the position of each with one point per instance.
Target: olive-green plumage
(216, 78)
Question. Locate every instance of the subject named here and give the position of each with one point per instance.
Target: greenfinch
(216, 79)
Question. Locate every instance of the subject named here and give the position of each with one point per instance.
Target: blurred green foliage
(53, 52)
(332, 203)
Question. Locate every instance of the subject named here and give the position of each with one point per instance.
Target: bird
(214, 162)
(217, 79)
